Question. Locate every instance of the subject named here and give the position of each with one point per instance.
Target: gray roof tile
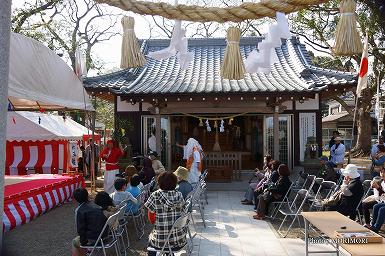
(293, 73)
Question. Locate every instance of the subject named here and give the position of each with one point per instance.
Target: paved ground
(230, 231)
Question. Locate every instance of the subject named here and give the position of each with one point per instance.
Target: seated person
(183, 185)
(378, 161)
(104, 200)
(346, 200)
(378, 186)
(254, 181)
(167, 204)
(378, 217)
(129, 172)
(326, 172)
(156, 163)
(90, 221)
(135, 192)
(271, 176)
(121, 194)
(337, 152)
(147, 172)
(275, 192)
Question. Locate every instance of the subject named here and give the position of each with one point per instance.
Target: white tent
(39, 78)
(23, 125)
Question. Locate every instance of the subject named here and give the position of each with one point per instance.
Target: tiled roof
(293, 73)
(334, 117)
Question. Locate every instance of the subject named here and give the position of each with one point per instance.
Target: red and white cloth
(26, 200)
(48, 157)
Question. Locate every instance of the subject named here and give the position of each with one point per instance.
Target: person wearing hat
(156, 163)
(183, 185)
(351, 192)
(337, 152)
(332, 139)
(111, 155)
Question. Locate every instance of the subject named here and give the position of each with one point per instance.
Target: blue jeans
(378, 216)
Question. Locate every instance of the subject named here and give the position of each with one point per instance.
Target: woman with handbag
(255, 180)
(274, 192)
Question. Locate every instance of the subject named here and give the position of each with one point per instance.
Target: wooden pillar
(276, 132)
(158, 133)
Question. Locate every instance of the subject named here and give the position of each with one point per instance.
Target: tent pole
(5, 32)
(93, 176)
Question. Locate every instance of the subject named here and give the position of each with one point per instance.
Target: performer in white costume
(192, 153)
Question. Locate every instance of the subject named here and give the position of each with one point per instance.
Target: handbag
(151, 217)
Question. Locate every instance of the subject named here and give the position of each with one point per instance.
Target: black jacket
(280, 188)
(90, 221)
(348, 204)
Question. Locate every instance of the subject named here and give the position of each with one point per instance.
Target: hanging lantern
(348, 41)
(231, 121)
(131, 54)
(200, 122)
(232, 66)
(216, 124)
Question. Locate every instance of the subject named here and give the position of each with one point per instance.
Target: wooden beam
(223, 110)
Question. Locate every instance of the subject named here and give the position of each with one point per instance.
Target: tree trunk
(364, 125)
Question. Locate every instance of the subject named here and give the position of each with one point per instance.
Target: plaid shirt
(168, 207)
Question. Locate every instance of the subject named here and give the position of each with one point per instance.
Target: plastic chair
(108, 241)
(294, 210)
(180, 223)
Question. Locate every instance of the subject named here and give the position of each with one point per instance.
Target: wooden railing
(230, 161)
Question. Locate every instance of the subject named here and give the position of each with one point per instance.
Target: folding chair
(278, 204)
(367, 188)
(108, 241)
(308, 184)
(138, 217)
(121, 230)
(324, 192)
(180, 223)
(297, 183)
(202, 178)
(197, 202)
(294, 210)
(311, 197)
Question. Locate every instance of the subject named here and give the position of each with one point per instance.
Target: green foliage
(104, 112)
(122, 127)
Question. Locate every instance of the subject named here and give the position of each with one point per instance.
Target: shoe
(247, 203)
(368, 226)
(257, 217)
(244, 200)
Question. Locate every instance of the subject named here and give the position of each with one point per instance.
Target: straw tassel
(348, 41)
(131, 54)
(232, 66)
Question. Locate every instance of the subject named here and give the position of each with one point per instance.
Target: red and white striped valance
(25, 157)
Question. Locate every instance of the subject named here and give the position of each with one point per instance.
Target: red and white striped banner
(48, 157)
(24, 207)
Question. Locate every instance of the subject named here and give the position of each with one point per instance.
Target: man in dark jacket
(90, 221)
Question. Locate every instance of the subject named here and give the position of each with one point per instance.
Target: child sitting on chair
(121, 194)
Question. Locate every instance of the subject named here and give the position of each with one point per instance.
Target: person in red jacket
(111, 155)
